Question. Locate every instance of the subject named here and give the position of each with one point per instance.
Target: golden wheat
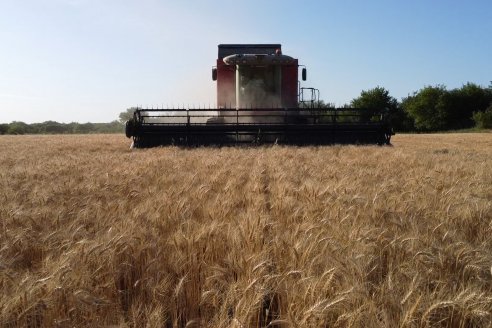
(95, 234)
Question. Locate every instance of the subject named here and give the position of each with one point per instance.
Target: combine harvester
(259, 100)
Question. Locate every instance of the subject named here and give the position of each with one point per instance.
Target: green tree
(4, 127)
(71, 127)
(425, 107)
(128, 114)
(84, 128)
(111, 127)
(483, 120)
(17, 127)
(377, 98)
(52, 127)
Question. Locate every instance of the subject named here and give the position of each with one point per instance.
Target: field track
(95, 234)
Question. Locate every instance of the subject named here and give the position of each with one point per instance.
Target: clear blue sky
(88, 60)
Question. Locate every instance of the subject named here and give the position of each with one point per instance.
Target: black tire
(129, 128)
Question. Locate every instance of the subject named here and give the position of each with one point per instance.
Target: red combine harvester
(259, 100)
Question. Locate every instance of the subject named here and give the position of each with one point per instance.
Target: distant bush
(483, 120)
(4, 128)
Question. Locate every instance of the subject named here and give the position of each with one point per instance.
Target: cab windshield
(258, 86)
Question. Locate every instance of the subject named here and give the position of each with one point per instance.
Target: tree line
(432, 108)
(52, 127)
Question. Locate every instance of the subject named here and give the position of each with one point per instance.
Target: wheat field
(94, 234)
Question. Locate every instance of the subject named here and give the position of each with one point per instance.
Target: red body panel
(289, 85)
(226, 85)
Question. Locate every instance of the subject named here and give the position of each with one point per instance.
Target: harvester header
(259, 100)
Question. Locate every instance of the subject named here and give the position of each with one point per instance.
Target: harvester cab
(259, 100)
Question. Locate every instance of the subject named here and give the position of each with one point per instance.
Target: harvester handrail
(320, 115)
(261, 109)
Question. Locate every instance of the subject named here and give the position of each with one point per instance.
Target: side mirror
(214, 74)
(304, 74)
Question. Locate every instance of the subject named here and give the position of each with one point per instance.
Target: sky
(89, 60)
